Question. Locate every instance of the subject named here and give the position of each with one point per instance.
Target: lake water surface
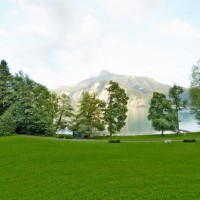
(137, 122)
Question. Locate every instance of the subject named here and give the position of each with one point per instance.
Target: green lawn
(155, 137)
(54, 169)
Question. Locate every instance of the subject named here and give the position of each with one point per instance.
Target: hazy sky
(61, 42)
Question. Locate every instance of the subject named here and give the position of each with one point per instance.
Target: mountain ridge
(139, 89)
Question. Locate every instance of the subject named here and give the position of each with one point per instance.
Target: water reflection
(137, 122)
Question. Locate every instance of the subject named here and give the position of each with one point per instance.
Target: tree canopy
(116, 109)
(32, 105)
(26, 106)
(5, 84)
(90, 118)
(161, 113)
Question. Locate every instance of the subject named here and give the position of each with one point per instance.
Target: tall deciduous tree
(195, 90)
(90, 118)
(64, 112)
(115, 113)
(161, 113)
(177, 103)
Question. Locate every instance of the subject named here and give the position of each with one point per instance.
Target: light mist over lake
(137, 122)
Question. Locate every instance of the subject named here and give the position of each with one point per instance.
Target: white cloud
(36, 39)
(129, 8)
(32, 29)
(48, 47)
(89, 25)
(179, 29)
(53, 15)
(4, 33)
(88, 31)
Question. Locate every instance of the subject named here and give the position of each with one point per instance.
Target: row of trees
(164, 113)
(95, 115)
(27, 107)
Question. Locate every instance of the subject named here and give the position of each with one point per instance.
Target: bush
(189, 140)
(68, 136)
(114, 141)
(35, 124)
(7, 124)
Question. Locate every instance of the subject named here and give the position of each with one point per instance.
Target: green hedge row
(189, 140)
(114, 141)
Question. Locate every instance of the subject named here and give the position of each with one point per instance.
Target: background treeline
(27, 107)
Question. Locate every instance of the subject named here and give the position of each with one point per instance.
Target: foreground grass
(37, 168)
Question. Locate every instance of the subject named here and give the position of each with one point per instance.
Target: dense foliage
(161, 113)
(195, 90)
(116, 109)
(33, 106)
(90, 118)
(177, 103)
(26, 106)
(5, 84)
(7, 123)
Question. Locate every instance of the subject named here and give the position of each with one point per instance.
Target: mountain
(139, 89)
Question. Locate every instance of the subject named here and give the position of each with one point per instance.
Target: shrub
(114, 141)
(7, 124)
(68, 136)
(189, 140)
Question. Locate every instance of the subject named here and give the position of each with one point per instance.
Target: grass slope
(38, 168)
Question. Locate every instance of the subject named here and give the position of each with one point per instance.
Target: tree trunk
(177, 121)
(110, 130)
(59, 120)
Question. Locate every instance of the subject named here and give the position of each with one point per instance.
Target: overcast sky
(62, 42)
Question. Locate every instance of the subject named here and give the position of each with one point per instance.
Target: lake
(137, 122)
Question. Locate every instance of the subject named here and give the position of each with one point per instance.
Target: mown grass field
(54, 169)
(155, 137)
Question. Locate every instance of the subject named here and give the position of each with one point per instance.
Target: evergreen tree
(115, 113)
(32, 106)
(5, 79)
(161, 113)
